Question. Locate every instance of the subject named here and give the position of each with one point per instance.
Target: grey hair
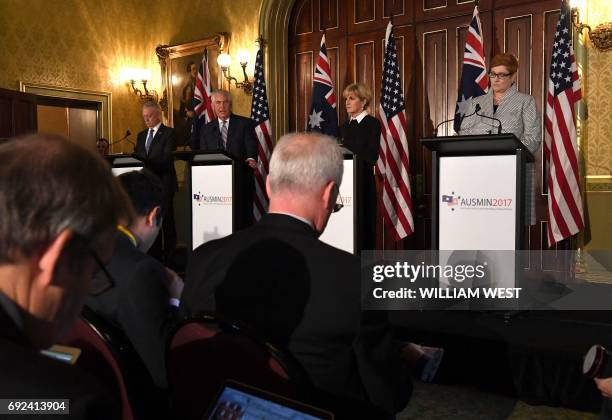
(305, 162)
(223, 93)
(69, 187)
(152, 104)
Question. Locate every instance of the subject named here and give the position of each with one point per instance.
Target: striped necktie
(149, 140)
(224, 133)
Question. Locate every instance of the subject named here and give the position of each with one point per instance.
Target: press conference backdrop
(340, 228)
(477, 208)
(211, 202)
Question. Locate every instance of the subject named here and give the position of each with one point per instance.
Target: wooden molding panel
(328, 14)
(303, 21)
(364, 11)
(518, 35)
(394, 8)
(435, 76)
(434, 4)
(301, 96)
(429, 10)
(17, 113)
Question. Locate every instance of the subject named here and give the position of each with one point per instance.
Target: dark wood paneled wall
(430, 40)
(17, 113)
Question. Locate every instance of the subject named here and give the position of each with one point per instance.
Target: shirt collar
(300, 218)
(360, 116)
(155, 128)
(221, 121)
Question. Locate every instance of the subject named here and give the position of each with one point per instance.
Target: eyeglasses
(100, 284)
(500, 76)
(338, 206)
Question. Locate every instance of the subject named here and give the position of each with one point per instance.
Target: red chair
(107, 355)
(206, 350)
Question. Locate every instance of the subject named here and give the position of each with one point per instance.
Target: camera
(596, 363)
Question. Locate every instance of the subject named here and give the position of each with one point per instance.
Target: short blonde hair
(361, 91)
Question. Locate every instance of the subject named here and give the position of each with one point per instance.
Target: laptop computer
(239, 401)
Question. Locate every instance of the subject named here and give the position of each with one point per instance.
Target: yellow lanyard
(129, 234)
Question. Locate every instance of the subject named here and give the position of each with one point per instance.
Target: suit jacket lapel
(487, 106)
(231, 129)
(216, 135)
(507, 108)
(156, 139)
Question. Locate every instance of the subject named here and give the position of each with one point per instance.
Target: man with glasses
(59, 205)
(134, 291)
(299, 292)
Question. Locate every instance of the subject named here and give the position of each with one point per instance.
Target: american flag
(323, 117)
(474, 77)
(202, 104)
(565, 213)
(393, 162)
(261, 116)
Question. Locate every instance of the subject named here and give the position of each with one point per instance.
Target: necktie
(149, 140)
(224, 133)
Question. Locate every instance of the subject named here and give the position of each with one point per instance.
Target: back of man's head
(48, 184)
(305, 176)
(304, 163)
(145, 191)
(59, 204)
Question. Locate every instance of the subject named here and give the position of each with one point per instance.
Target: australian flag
(202, 104)
(474, 77)
(323, 117)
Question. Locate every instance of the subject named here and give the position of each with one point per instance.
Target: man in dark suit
(154, 147)
(145, 297)
(235, 135)
(58, 220)
(298, 291)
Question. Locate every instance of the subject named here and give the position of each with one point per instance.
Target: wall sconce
(133, 76)
(601, 36)
(224, 60)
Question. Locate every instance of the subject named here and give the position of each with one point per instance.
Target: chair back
(109, 356)
(206, 350)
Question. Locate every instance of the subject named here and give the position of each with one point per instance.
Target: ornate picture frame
(175, 63)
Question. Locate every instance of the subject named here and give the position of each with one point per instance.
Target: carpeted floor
(438, 402)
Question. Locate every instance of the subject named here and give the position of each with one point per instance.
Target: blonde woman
(361, 135)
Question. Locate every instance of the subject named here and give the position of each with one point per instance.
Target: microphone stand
(499, 124)
(453, 119)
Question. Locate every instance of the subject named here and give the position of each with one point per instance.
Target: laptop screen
(239, 401)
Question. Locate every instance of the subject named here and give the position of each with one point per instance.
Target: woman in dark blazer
(517, 113)
(361, 135)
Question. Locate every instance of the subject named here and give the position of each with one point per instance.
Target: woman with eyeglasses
(515, 110)
(361, 135)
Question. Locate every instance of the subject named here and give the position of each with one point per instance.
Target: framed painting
(179, 68)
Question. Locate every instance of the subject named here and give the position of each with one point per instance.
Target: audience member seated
(143, 300)
(59, 205)
(281, 279)
(102, 146)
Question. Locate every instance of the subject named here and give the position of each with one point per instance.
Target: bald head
(304, 163)
(305, 176)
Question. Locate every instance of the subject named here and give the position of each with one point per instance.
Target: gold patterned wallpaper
(599, 122)
(84, 44)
